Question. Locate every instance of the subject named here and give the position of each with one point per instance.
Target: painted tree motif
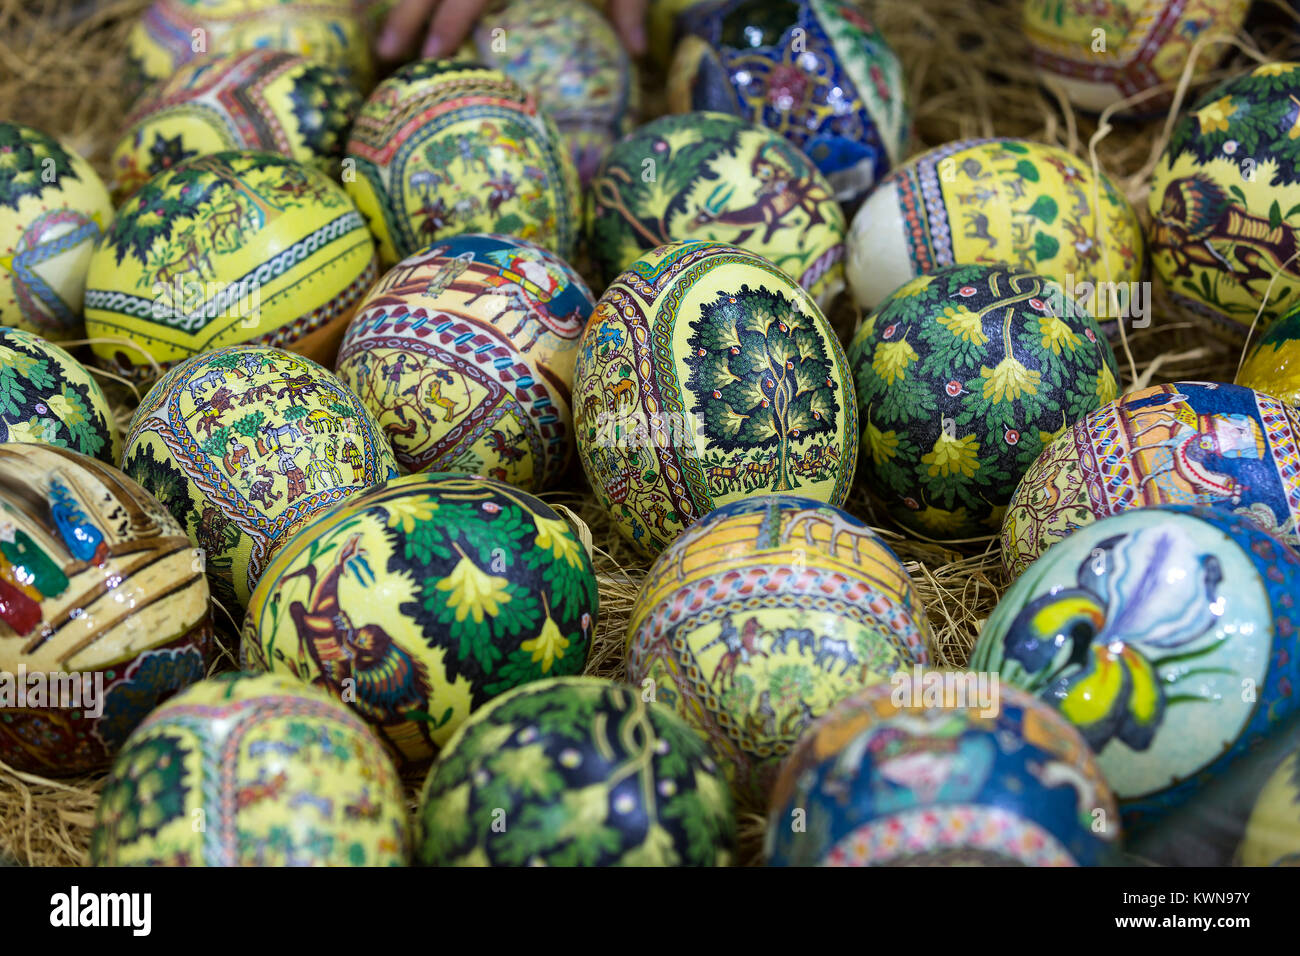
(761, 376)
(30, 163)
(146, 794)
(324, 104)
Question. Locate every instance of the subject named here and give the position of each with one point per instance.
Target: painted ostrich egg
(442, 148)
(1007, 202)
(104, 611)
(704, 376)
(1191, 443)
(1271, 366)
(568, 56)
(244, 446)
(1225, 202)
(761, 616)
(53, 209)
(963, 377)
(583, 772)
(265, 100)
(928, 773)
(278, 773)
(717, 177)
(1272, 836)
(426, 596)
(227, 248)
(1166, 635)
(1102, 51)
(172, 33)
(816, 71)
(48, 398)
(464, 352)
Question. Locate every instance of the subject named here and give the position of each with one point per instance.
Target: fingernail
(432, 48)
(390, 44)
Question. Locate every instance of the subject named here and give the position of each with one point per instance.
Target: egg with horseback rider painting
(1225, 203)
(465, 352)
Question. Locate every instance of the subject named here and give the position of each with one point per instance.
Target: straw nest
(969, 71)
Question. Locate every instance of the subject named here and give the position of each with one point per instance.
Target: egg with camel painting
(1192, 443)
(761, 616)
(264, 100)
(1166, 635)
(226, 248)
(441, 590)
(446, 147)
(172, 33)
(464, 352)
(244, 446)
(1009, 202)
(707, 375)
(717, 177)
(104, 611)
(1225, 203)
(1102, 51)
(276, 772)
(53, 209)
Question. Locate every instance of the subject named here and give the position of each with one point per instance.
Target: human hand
(450, 21)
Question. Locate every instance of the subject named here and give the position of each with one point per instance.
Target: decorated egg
(663, 21)
(704, 376)
(172, 33)
(815, 71)
(464, 352)
(963, 377)
(1012, 202)
(762, 615)
(936, 769)
(568, 56)
(1193, 443)
(244, 446)
(227, 248)
(583, 772)
(103, 610)
(47, 397)
(53, 209)
(264, 100)
(1105, 51)
(1225, 202)
(442, 148)
(278, 774)
(1272, 836)
(425, 596)
(1271, 365)
(717, 177)
(1166, 635)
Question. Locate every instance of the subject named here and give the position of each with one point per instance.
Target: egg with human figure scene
(231, 247)
(937, 769)
(585, 772)
(1099, 52)
(447, 147)
(1192, 443)
(760, 617)
(816, 71)
(567, 55)
(465, 351)
(244, 446)
(251, 770)
(1272, 365)
(172, 33)
(1009, 202)
(1225, 203)
(53, 209)
(262, 100)
(713, 176)
(963, 377)
(104, 611)
(707, 375)
(47, 397)
(420, 599)
(1166, 634)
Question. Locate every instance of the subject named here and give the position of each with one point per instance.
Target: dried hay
(970, 75)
